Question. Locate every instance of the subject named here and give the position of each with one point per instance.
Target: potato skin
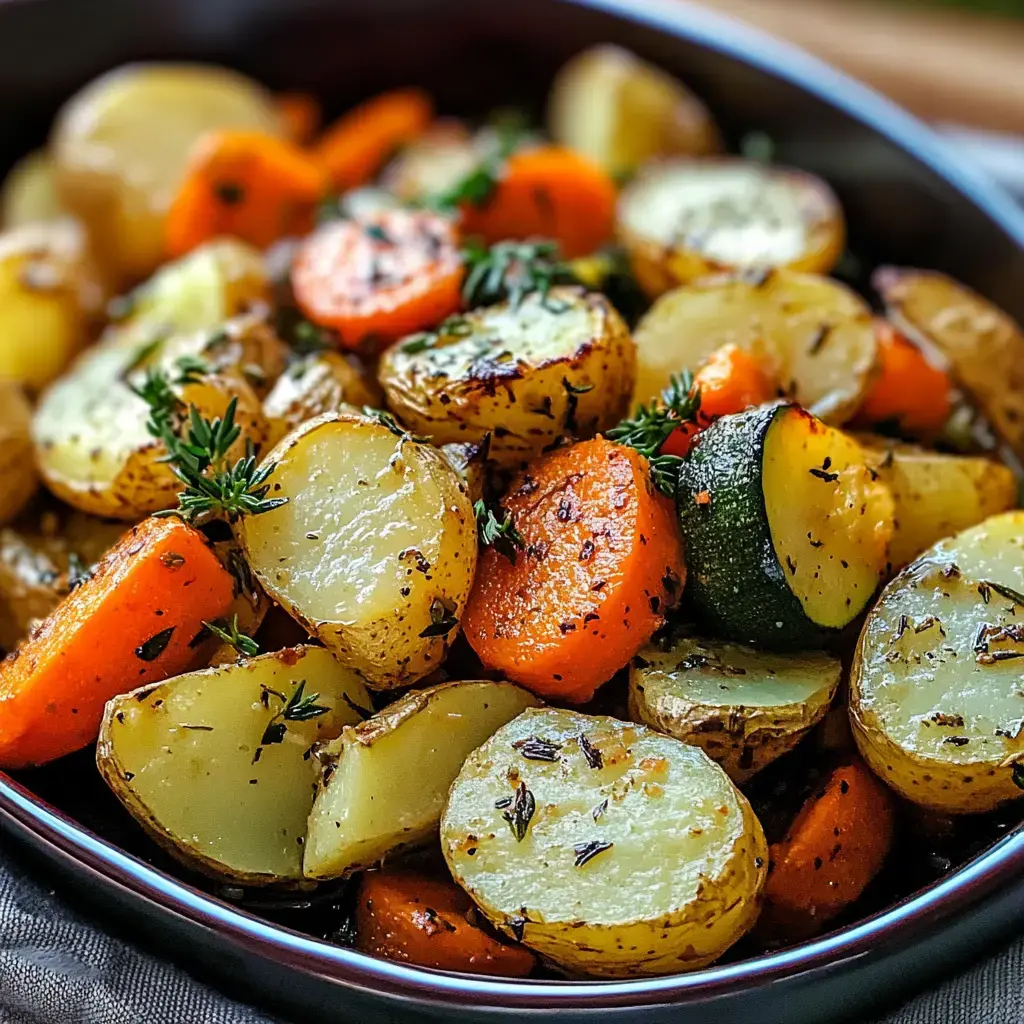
(679, 884)
(392, 636)
(504, 374)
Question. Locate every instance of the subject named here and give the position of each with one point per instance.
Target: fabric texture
(56, 967)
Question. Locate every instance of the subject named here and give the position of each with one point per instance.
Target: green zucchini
(787, 529)
(743, 707)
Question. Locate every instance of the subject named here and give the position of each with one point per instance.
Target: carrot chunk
(909, 392)
(730, 381)
(131, 623)
(410, 917)
(299, 114)
(246, 184)
(380, 278)
(356, 146)
(835, 846)
(602, 560)
(548, 192)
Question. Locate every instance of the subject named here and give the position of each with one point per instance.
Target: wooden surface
(943, 65)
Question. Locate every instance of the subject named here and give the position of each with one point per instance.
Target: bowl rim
(72, 845)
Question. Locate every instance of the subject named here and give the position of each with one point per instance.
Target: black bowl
(908, 201)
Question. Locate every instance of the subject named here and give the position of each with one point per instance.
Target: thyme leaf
(442, 618)
(499, 533)
(520, 813)
(1008, 592)
(385, 419)
(513, 270)
(151, 649)
(229, 633)
(588, 851)
(299, 707)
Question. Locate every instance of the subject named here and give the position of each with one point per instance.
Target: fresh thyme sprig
(652, 425)
(299, 707)
(476, 187)
(513, 270)
(231, 634)
(499, 533)
(385, 419)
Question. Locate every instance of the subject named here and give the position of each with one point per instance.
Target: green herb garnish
(513, 270)
(498, 531)
(298, 708)
(231, 634)
(520, 812)
(477, 186)
(442, 618)
(385, 419)
(151, 649)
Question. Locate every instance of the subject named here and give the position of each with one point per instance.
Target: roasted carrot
(548, 192)
(730, 381)
(299, 114)
(909, 392)
(602, 561)
(246, 184)
(381, 278)
(132, 622)
(416, 919)
(356, 146)
(835, 846)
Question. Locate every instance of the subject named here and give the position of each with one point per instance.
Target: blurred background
(957, 63)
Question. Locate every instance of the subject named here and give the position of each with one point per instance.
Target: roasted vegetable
(934, 691)
(742, 707)
(607, 848)
(28, 195)
(252, 723)
(385, 781)
(787, 529)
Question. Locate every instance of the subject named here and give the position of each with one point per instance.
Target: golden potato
(17, 465)
(28, 195)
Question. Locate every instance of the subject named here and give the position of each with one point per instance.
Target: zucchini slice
(742, 707)
(787, 530)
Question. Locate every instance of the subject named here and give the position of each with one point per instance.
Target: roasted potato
(620, 111)
(385, 782)
(93, 447)
(936, 494)
(120, 146)
(433, 163)
(49, 295)
(681, 220)
(743, 707)
(17, 466)
(215, 765)
(935, 701)
(608, 848)
(28, 195)
(812, 333)
(980, 344)
(470, 462)
(323, 382)
(375, 550)
(524, 375)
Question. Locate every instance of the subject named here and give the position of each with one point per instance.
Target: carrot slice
(909, 392)
(131, 623)
(410, 917)
(602, 561)
(299, 114)
(246, 184)
(383, 277)
(548, 192)
(835, 846)
(730, 381)
(356, 146)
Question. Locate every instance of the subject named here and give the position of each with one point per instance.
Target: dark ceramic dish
(907, 201)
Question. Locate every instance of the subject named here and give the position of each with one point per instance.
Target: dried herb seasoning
(520, 812)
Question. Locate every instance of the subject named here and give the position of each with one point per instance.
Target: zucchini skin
(737, 587)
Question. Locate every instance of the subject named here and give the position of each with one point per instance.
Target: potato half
(620, 111)
(982, 346)
(606, 847)
(49, 295)
(28, 195)
(375, 550)
(935, 691)
(815, 335)
(385, 782)
(17, 465)
(685, 219)
(743, 707)
(517, 374)
(936, 494)
(120, 147)
(211, 767)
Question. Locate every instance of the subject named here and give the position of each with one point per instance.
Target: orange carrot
(131, 623)
(835, 846)
(246, 184)
(909, 391)
(380, 278)
(548, 192)
(602, 561)
(299, 114)
(730, 381)
(356, 146)
(410, 917)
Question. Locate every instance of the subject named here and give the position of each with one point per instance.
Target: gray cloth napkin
(58, 968)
